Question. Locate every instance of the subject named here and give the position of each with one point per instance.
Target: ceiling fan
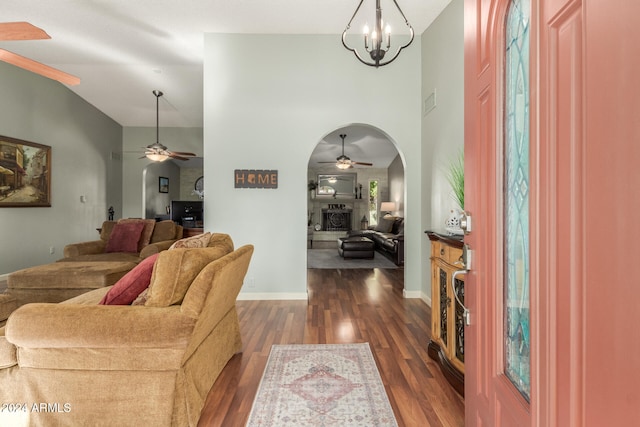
(11, 31)
(344, 162)
(158, 152)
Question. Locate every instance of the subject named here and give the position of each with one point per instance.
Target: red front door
(584, 199)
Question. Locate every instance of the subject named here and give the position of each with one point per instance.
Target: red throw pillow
(132, 284)
(124, 237)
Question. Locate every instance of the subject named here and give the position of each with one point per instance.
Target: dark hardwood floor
(344, 306)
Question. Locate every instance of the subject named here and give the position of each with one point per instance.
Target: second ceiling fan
(158, 152)
(343, 161)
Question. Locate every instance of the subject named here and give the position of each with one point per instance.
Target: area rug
(321, 385)
(329, 258)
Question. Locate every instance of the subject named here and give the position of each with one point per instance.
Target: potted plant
(455, 177)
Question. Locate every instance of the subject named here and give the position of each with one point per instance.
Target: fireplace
(336, 219)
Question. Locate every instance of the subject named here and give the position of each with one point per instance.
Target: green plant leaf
(455, 177)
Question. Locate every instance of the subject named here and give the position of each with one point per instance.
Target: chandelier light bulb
(388, 31)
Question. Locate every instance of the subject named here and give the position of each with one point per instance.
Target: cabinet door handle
(465, 310)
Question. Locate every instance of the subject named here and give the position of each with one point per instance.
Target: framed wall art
(163, 184)
(25, 173)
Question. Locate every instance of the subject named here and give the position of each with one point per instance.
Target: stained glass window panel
(516, 197)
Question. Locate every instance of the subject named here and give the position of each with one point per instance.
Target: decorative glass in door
(516, 198)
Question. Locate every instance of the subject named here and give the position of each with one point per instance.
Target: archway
(353, 200)
(181, 177)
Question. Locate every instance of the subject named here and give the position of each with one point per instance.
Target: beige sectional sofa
(80, 363)
(156, 237)
(89, 265)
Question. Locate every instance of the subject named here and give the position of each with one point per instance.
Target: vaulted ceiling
(123, 49)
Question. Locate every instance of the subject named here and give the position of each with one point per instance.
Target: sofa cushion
(197, 241)
(398, 226)
(175, 270)
(105, 257)
(385, 224)
(8, 355)
(127, 289)
(147, 231)
(163, 230)
(142, 298)
(125, 237)
(106, 229)
(221, 239)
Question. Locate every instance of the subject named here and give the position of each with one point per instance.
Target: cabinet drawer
(454, 255)
(447, 253)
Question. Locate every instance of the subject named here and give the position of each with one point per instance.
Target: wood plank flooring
(345, 306)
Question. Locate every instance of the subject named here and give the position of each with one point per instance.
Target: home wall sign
(255, 178)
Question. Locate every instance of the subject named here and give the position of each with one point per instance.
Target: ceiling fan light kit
(375, 46)
(157, 152)
(343, 162)
(157, 157)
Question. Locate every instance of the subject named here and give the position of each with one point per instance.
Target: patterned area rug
(321, 385)
(329, 258)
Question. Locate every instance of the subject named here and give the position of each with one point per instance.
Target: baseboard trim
(411, 294)
(426, 298)
(417, 294)
(253, 296)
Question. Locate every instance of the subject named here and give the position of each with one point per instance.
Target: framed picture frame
(163, 184)
(25, 173)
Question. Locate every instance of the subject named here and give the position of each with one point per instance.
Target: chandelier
(375, 46)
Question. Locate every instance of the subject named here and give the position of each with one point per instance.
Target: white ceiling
(361, 144)
(123, 49)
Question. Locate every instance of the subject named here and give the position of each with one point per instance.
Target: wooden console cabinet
(447, 315)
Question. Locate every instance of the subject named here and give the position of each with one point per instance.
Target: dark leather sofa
(388, 237)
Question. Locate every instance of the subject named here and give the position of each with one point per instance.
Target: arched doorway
(343, 202)
(181, 177)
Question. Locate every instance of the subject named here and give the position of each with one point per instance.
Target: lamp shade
(387, 207)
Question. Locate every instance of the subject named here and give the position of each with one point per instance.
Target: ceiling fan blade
(175, 156)
(328, 162)
(182, 153)
(38, 68)
(21, 31)
(361, 163)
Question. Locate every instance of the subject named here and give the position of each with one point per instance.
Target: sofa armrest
(98, 326)
(154, 248)
(84, 248)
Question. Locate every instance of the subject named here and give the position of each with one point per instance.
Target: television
(187, 213)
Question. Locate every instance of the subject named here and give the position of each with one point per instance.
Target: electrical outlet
(52, 250)
(251, 283)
